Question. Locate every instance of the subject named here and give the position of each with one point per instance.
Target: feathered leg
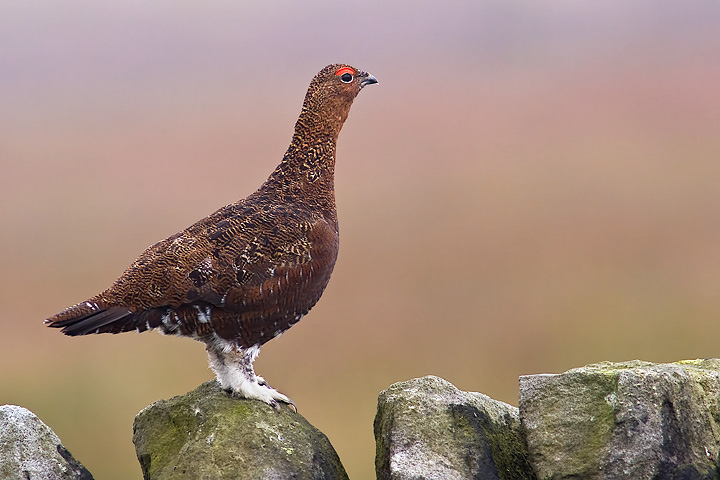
(233, 367)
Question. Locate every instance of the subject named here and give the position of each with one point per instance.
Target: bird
(246, 273)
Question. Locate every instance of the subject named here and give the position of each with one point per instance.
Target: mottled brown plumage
(249, 271)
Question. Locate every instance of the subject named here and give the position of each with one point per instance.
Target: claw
(277, 404)
(235, 374)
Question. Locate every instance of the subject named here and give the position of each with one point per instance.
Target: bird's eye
(345, 74)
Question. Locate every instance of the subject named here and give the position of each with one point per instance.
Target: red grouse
(249, 271)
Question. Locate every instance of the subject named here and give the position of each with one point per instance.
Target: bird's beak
(368, 80)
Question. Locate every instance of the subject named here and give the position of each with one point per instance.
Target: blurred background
(533, 186)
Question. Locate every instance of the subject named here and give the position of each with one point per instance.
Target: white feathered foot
(233, 367)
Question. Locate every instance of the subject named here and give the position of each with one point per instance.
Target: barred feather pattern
(252, 269)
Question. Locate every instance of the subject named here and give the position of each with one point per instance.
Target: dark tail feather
(94, 317)
(110, 320)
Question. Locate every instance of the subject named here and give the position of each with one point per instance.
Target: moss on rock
(209, 434)
(427, 428)
(632, 419)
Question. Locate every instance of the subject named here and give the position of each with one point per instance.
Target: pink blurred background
(532, 187)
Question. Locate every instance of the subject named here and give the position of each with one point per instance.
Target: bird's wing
(245, 278)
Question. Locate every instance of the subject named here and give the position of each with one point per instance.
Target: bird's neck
(307, 170)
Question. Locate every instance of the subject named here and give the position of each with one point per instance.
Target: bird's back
(244, 274)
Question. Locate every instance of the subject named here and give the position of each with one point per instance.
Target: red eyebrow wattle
(345, 70)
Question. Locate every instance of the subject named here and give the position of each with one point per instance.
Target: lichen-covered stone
(633, 420)
(30, 450)
(426, 428)
(207, 434)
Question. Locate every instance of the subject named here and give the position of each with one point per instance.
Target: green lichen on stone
(209, 434)
(510, 452)
(171, 429)
(598, 391)
(577, 419)
(631, 419)
(711, 364)
(427, 428)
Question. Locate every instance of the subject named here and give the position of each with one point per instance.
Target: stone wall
(634, 420)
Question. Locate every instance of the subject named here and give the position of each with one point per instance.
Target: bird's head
(333, 90)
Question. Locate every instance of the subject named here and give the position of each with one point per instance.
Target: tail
(90, 317)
